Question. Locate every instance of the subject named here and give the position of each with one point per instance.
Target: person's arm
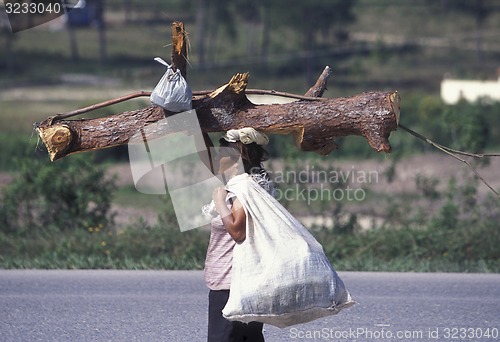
(234, 219)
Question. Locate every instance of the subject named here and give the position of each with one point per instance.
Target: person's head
(245, 144)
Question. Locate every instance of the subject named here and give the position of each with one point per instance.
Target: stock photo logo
(22, 15)
(168, 157)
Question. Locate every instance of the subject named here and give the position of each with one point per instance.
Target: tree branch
(108, 103)
(319, 87)
(179, 48)
(453, 153)
(197, 95)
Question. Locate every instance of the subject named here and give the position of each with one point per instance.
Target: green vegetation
(50, 218)
(58, 215)
(460, 236)
(56, 197)
(138, 246)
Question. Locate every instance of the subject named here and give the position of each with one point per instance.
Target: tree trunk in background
(264, 50)
(128, 11)
(8, 53)
(479, 38)
(101, 29)
(201, 30)
(213, 28)
(73, 43)
(308, 63)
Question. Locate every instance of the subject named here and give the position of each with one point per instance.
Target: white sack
(172, 91)
(280, 274)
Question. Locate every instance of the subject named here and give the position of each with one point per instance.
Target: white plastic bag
(280, 273)
(172, 91)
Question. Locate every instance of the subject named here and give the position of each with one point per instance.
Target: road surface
(103, 305)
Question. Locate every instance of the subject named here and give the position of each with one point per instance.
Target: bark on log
(314, 124)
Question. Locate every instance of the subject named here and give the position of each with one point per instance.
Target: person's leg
(251, 332)
(223, 330)
(219, 328)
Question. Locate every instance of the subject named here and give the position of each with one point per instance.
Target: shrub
(69, 194)
(460, 236)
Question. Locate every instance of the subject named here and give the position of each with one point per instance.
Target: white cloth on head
(246, 135)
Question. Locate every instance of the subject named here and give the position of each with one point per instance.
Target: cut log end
(236, 85)
(57, 139)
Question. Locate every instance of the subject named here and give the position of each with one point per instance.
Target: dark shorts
(222, 330)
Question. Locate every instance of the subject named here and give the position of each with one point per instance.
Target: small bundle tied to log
(314, 122)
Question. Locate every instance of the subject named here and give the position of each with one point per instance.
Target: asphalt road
(172, 306)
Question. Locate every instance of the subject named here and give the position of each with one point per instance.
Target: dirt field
(435, 165)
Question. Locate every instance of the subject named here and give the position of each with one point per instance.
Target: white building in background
(471, 91)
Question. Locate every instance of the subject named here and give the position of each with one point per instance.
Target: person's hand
(219, 195)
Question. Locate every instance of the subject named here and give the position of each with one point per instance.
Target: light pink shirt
(219, 260)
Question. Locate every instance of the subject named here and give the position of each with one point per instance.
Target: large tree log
(315, 123)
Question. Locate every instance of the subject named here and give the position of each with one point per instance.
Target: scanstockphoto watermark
(386, 332)
(353, 334)
(310, 184)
